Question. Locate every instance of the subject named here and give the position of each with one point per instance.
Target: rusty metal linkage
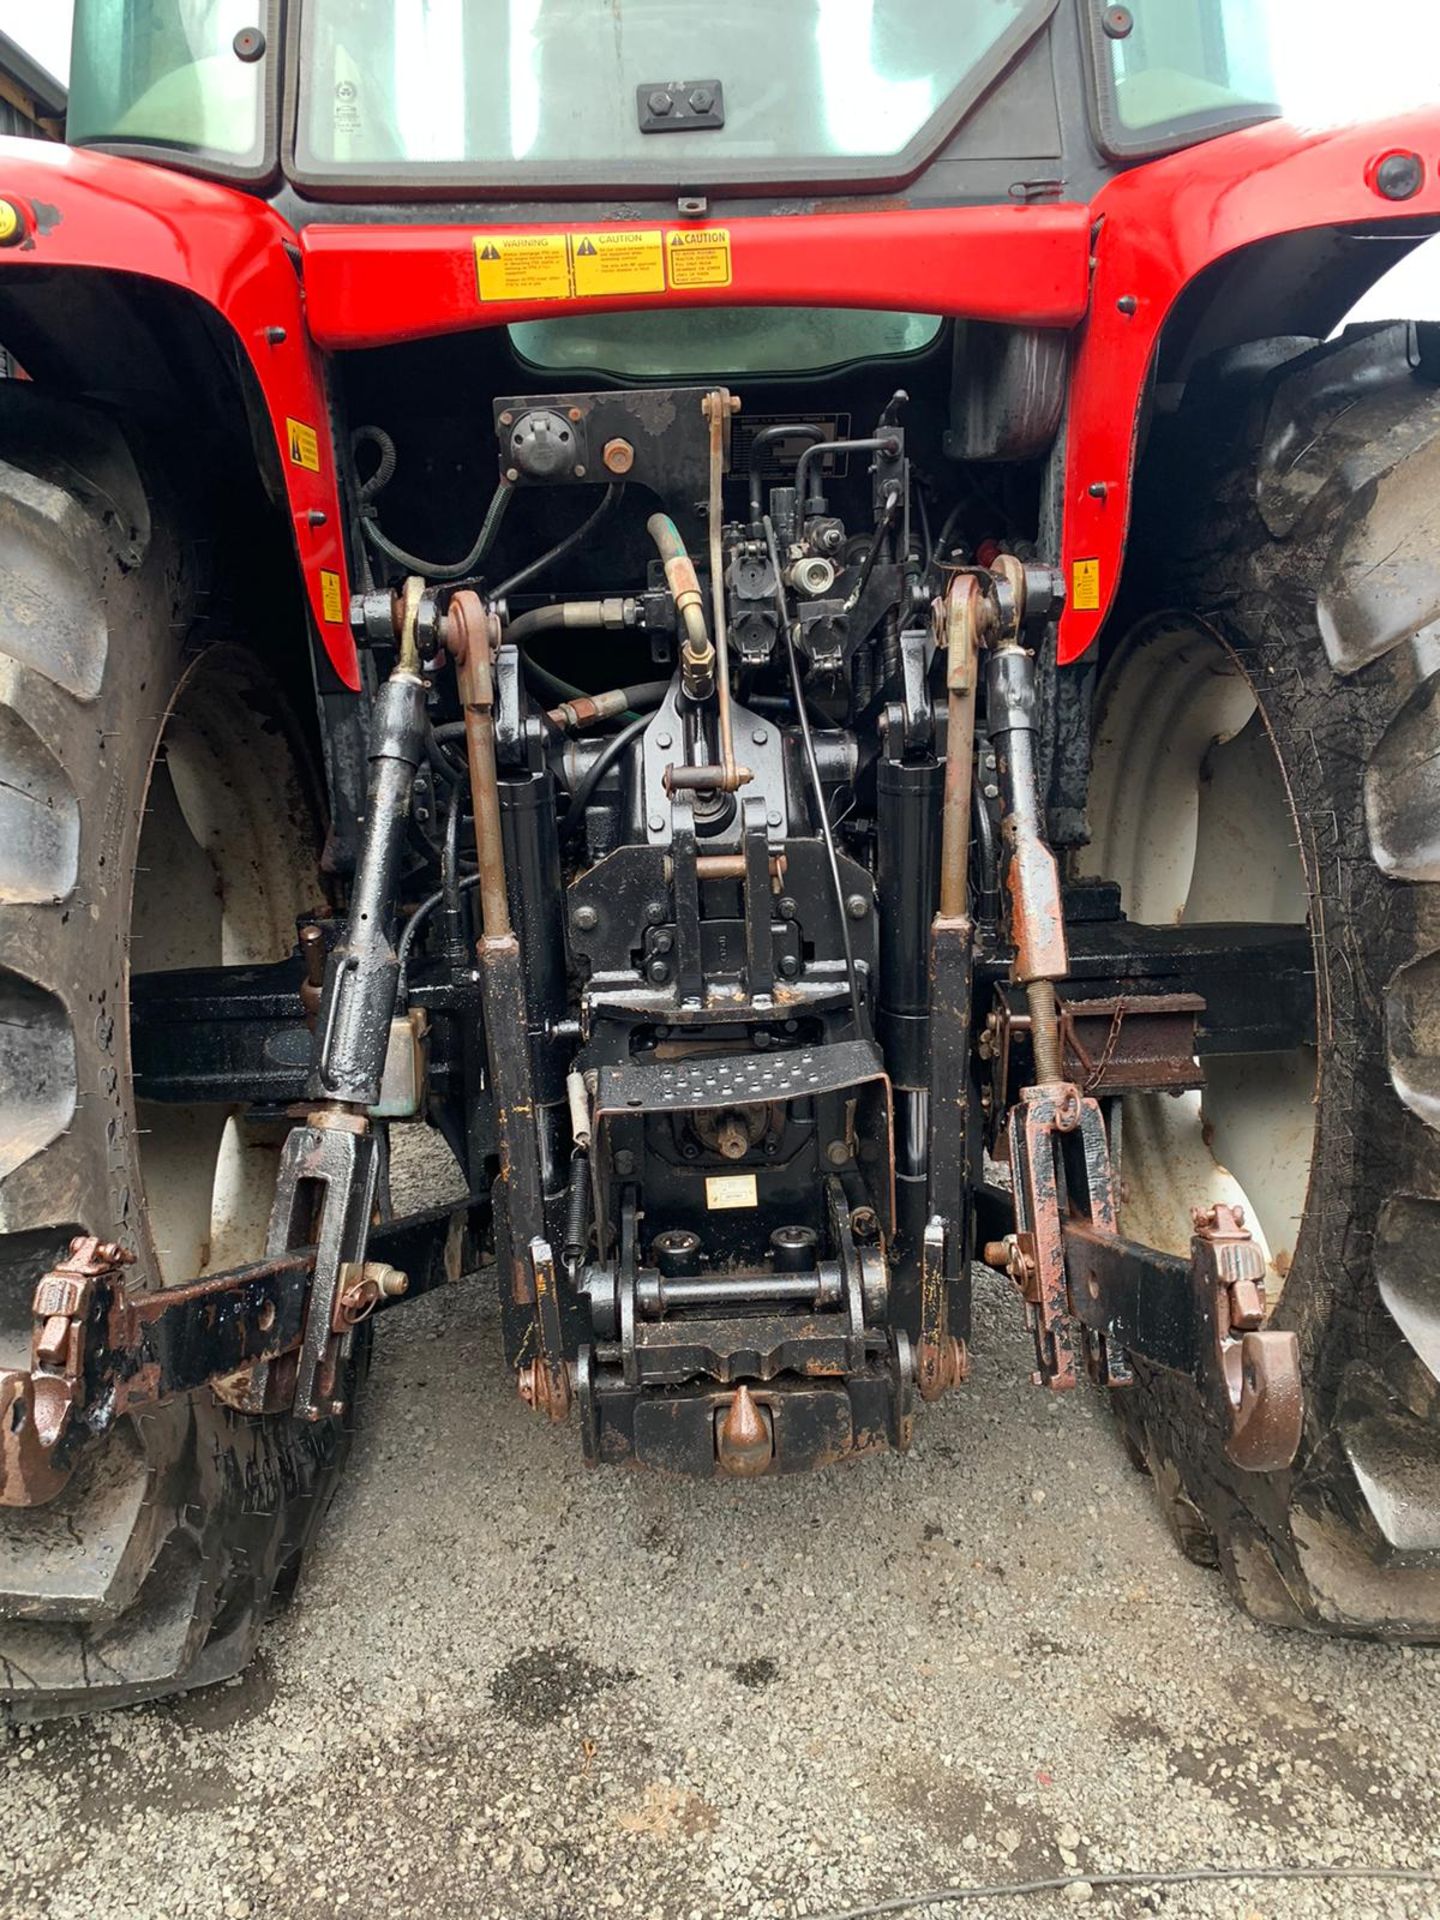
(719, 406)
(101, 1350)
(1086, 1287)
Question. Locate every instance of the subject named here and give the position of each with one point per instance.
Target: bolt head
(586, 918)
(837, 1154)
(619, 456)
(857, 906)
(702, 99)
(660, 103)
(1399, 176)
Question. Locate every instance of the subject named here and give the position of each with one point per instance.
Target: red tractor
(824, 666)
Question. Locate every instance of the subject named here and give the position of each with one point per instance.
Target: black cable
(927, 545)
(574, 814)
(1181, 1877)
(437, 570)
(561, 547)
(813, 768)
(421, 914)
(435, 758)
(366, 490)
(947, 527)
(883, 527)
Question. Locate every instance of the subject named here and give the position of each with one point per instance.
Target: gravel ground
(511, 1687)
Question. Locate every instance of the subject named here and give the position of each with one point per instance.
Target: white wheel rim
(1191, 815)
(227, 860)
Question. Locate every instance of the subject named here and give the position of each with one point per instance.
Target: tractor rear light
(14, 228)
(1396, 175)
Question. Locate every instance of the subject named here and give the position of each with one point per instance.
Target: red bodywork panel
(1150, 231)
(93, 210)
(1157, 228)
(369, 286)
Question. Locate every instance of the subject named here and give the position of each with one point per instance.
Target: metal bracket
(1249, 1373)
(100, 1351)
(37, 1406)
(1087, 1288)
(1034, 1256)
(544, 1382)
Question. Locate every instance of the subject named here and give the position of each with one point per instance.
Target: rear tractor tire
(1270, 751)
(153, 814)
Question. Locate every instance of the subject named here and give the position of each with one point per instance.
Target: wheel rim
(226, 861)
(1192, 816)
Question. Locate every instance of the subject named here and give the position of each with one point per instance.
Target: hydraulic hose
(582, 710)
(574, 814)
(561, 547)
(434, 570)
(697, 656)
(591, 615)
(887, 443)
(769, 437)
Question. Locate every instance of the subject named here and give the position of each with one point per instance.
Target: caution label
(699, 257)
(618, 263)
(1085, 586)
(588, 266)
(332, 600)
(730, 1190)
(304, 445)
(523, 266)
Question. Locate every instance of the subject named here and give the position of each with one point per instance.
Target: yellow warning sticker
(1085, 586)
(618, 263)
(523, 266)
(304, 445)
(699, 257)
(331, 598)
(730, 1190)
(589, 266)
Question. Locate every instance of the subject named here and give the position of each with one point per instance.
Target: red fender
(94, 210)
(1157, 227)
